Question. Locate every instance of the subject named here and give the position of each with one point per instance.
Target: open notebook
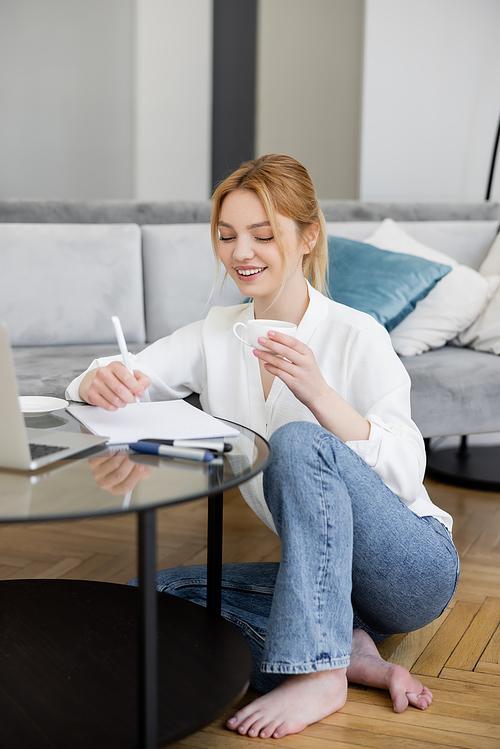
(167, 420)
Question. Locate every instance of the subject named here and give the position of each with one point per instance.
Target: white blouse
(354, 354)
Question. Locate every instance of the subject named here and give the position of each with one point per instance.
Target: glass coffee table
(91, 664)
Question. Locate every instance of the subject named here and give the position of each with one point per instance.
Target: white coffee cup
(255, 329)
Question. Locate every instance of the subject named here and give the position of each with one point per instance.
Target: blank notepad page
(167, 420)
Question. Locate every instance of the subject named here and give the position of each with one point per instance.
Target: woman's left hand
(294, 363)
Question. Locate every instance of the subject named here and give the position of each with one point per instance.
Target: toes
(425, 698)
(259, 727)
(270, 730)
(232, 723)
(239, 719)
(418, 701)
(400, 702)
(421, 700)
(248, 726)
(279, 732)
(427, 693)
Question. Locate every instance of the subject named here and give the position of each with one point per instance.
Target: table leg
(214, 554)
(147, 630)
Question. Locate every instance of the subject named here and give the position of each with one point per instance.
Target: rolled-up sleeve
(175, 365)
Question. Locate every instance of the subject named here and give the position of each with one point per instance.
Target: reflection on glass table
(90, 485)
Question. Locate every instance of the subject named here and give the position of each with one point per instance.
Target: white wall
(105, 99)
(431, 99)
(65, 98)
(112, 98)
(309, 66)
(173, 99)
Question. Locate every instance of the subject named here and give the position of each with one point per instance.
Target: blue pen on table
(123, 347)
(169, 451)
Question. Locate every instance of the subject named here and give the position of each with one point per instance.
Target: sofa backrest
(198, 211)
(179, 267)
(180, 283)
(467, 242)
(60, 283)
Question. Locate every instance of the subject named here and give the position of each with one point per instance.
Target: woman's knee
(293, 441)
(303, 468)
(299, 449)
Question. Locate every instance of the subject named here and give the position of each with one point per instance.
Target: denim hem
(305, 668)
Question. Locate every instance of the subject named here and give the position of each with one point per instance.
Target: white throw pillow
(491, 263)
(450, 307)
(484, 333)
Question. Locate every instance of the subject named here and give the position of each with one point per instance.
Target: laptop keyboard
(38, 451)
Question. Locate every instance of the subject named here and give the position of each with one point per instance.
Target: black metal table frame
(147, 667)
(147, 629)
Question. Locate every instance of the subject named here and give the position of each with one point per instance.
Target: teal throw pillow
(385, 284)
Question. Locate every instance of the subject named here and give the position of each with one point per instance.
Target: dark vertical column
(233, 99)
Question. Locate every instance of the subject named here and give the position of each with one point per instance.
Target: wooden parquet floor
(457, 657)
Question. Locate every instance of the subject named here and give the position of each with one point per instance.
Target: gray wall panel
(309, 78)
(66, 77)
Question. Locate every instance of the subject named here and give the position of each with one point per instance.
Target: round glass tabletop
(108, 480)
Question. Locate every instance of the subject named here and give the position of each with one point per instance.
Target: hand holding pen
(122, 345)
(113, 386)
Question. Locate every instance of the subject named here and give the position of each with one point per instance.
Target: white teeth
(250, 272)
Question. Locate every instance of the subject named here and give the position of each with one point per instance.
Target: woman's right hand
(113, 386)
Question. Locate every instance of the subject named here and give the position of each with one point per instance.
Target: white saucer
(40, 404)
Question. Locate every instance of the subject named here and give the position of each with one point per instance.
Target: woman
(365, 553)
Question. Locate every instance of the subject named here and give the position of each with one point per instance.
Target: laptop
(16, 451)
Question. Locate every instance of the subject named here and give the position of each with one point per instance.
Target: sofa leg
(473, 466)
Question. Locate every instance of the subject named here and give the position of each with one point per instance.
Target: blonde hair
(284, 187)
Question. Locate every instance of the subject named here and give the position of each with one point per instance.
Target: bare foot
(369, 668)
(296, 703)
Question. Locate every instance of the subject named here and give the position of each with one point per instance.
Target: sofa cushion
(48, 370)
(449, 308)
(386, 285)
(454, 391)
(179, 277)
(60, 283)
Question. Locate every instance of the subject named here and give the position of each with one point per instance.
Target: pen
(123, 346)
(205, 456)
(216, 446)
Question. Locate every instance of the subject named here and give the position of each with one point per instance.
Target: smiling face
(249, 250)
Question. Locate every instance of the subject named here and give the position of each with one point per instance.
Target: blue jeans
(353, 555)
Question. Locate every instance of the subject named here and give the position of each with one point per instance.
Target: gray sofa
(66, 267)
